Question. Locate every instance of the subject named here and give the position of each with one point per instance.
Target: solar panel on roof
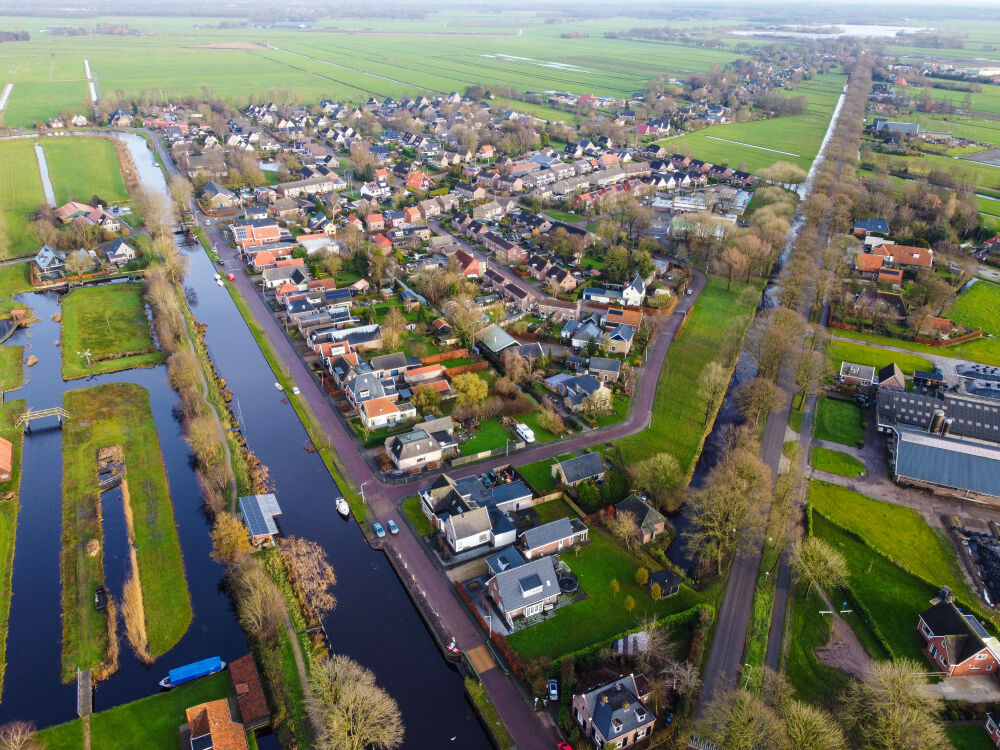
(258, 514)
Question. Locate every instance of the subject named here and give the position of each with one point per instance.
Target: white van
(525, 433)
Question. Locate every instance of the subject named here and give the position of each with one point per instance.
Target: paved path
(437, 591)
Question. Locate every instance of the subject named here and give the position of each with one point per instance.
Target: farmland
(83, 167)
(978, 307)
(797, 135)
(445, 53)
(20, 193)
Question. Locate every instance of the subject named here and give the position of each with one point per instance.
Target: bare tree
(740, 720)
(712, 385)
(811, 728)
(310, 572)
(79, 263)
(259, 606)
(393, 327)
(816, 562)
(756, 398)
(624, 528)
(349, 710)
(893, 708)
(19, 735)
(659, 475)
(156, 211)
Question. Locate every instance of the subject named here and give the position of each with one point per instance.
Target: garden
(839, 421)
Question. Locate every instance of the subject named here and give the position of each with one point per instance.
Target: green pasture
(20, 194)
(80, 168)
(978, 307)
(870, 356)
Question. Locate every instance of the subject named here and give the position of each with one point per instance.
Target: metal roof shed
(258, 513)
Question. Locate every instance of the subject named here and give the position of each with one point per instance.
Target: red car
(563, 746)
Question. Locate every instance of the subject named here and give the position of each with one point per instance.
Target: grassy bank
(9, 492)
(117, 415)
(11, 370)
(20, 193)
(678, 423)
(13, 280)
(488, 712)
(411, 507)
(145, 723)
(110, 322)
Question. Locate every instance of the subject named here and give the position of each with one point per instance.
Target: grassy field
(411, 507)
(678, 424)
(564, 216)
(9, 507)
(443, 53)
(14, 279)
(893, 596)
(986, 351)
(748, 143)
(110, 322)
(859, 354)
(104, 416)
(145, 723)
(11, 367)
(83, 167)
(838, 421)
(978, 307)
(20, 193)
(836, 462)
(602, 614)
(898, 533)
(812, 681)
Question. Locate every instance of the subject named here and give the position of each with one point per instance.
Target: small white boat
(278, 387)
(219, 282)
(217, 277)
(343, 508)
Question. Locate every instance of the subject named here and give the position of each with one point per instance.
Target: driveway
(976, 689)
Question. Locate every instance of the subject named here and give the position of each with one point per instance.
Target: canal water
(374, 622)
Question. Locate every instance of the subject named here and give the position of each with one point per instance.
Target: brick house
(553, 537)
(255, 233)
(993, 728)
(956, 642)
(526, 590)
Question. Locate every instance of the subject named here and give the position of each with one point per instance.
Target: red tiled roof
(213, 718)
(868, 262)
(249, 691)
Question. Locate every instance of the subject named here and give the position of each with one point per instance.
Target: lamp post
(362, 488)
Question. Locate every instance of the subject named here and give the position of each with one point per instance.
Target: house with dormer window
(614, 714)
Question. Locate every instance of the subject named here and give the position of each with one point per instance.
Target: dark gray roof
(547, 533)
(505, 559)
(394, 361)
(605, 364)
(527, 584)
(971, 416)
(414, 443)
(958, 464)
(963, 633)
(582, 467)
(616, 709)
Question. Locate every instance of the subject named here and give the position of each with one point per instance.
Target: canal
(374, 622)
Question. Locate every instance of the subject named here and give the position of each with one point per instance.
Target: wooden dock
(84, 693)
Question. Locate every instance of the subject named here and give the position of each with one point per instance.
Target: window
(926, 630)
(980, 657)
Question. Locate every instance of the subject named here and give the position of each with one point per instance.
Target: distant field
(797, 134)
(82, 167)
(445, 52)
(20, 193)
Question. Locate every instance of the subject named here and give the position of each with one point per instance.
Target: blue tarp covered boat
(192, 671)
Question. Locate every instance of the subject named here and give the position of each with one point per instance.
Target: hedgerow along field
(20, 193)
(234, 64)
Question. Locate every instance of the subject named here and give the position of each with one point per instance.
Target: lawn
(899, 533)
(532, 420)
(894, 597)
(20, 193)
(553, 510)
(411, 507)
(602, 614)
(145, 723)
(491, 435)
(9, 507)
(859, 354)
(37, 101)
(539, 475)
(836, 462)
(117, 414)
(83, 167)
(678, 424)
(971, 737)
(11, 368)
(564, 216)
(13, 280)
(978, 307)
(839, 421)
(619, 411)
(110, 322)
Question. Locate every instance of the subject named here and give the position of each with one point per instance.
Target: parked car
(393, 528)
(379, 531)
(563, 746)
(295, 390)
(525, 433)
(553, 689)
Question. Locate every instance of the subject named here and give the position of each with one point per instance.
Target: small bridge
(84, 692)
(32, 414)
